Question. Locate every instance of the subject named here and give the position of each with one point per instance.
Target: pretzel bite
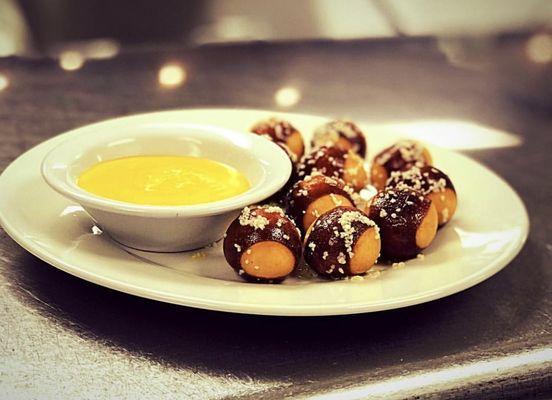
(402, 155)
(280, 196)
(315, 195)
(407, 222)
(282, 132)
(345, 135)
(433, 183)
(262, 244)
(342, 242)
(336, 163)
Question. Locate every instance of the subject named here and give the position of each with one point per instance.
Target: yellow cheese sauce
(163, 180)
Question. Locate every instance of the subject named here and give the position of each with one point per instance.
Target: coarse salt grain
(199, 254)
(274, 209)
(410, 150)
(373, 274)
(335, 200)
(335, 128)
(398, 265)
(247, 217)
(345, 221)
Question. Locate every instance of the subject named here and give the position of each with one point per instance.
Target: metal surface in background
(61, 337)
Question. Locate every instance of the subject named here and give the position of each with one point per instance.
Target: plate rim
(251, 308)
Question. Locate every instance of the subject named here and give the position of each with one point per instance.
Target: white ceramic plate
(486, 233)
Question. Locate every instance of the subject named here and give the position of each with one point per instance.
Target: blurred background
(97, 28)
(465, 32)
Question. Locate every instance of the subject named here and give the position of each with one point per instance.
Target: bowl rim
(276, 172)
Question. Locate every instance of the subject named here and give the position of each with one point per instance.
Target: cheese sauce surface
(163, 180)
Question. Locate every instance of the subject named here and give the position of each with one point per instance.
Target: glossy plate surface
(486, 233)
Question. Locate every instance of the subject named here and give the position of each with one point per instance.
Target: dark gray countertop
(66, 338)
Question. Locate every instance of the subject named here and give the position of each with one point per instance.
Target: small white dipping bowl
(165, 228)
